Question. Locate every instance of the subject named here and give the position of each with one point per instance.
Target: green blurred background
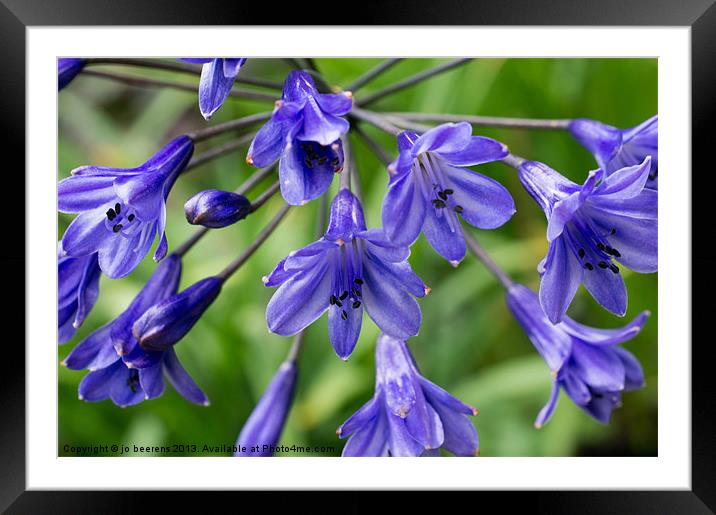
(469, 343)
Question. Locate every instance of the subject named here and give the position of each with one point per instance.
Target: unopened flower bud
(216, 208)
(265, 424)
(166, 322)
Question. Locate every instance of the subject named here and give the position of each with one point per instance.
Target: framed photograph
(355, 246)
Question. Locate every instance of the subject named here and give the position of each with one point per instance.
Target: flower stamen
(133, 380)
(582, 235)
(347, 280)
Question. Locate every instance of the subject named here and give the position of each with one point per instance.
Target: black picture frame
(17, 15)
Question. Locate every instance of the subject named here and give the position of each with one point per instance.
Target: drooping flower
(304, 133)
(77, 291)
(349, 268)
(119, 368)
(67, 69)
(586, 362)
(121, 210)
(217, 79)
(429, 187)
(166, 322)
(216, 208)
(265, 424)
(615, 148)
(608, 218)
(408, 415)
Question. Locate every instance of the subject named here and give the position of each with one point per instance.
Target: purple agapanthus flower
(265, 424)
(349, 268)
(217, 79)
(408, 415)
(429, 187)
(77, 291)
(615, 148)
(609, 218)
(586, 362)
(119, 368)
(121, 209)
(67, 69)
(304, 133)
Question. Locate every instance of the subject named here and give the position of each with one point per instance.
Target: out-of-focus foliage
(469, 343)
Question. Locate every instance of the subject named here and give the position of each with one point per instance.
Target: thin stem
(296, 345)
(219, 151)
(488, 121)
(246, 186)
(489, 263)
(345, 182)
(355, 176)
(156, 64)
(373, 145)
(407, 124)
(263, 83)
(311, 64)
(513, 161)
(187, 68)
(159, 83)
(322, 216)
(255, 178)
(191, 241)
(239, 123)
(293, 63)
(262, 237)
(410, 81)
(375, 119)
(261, 199)
(372, 74)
